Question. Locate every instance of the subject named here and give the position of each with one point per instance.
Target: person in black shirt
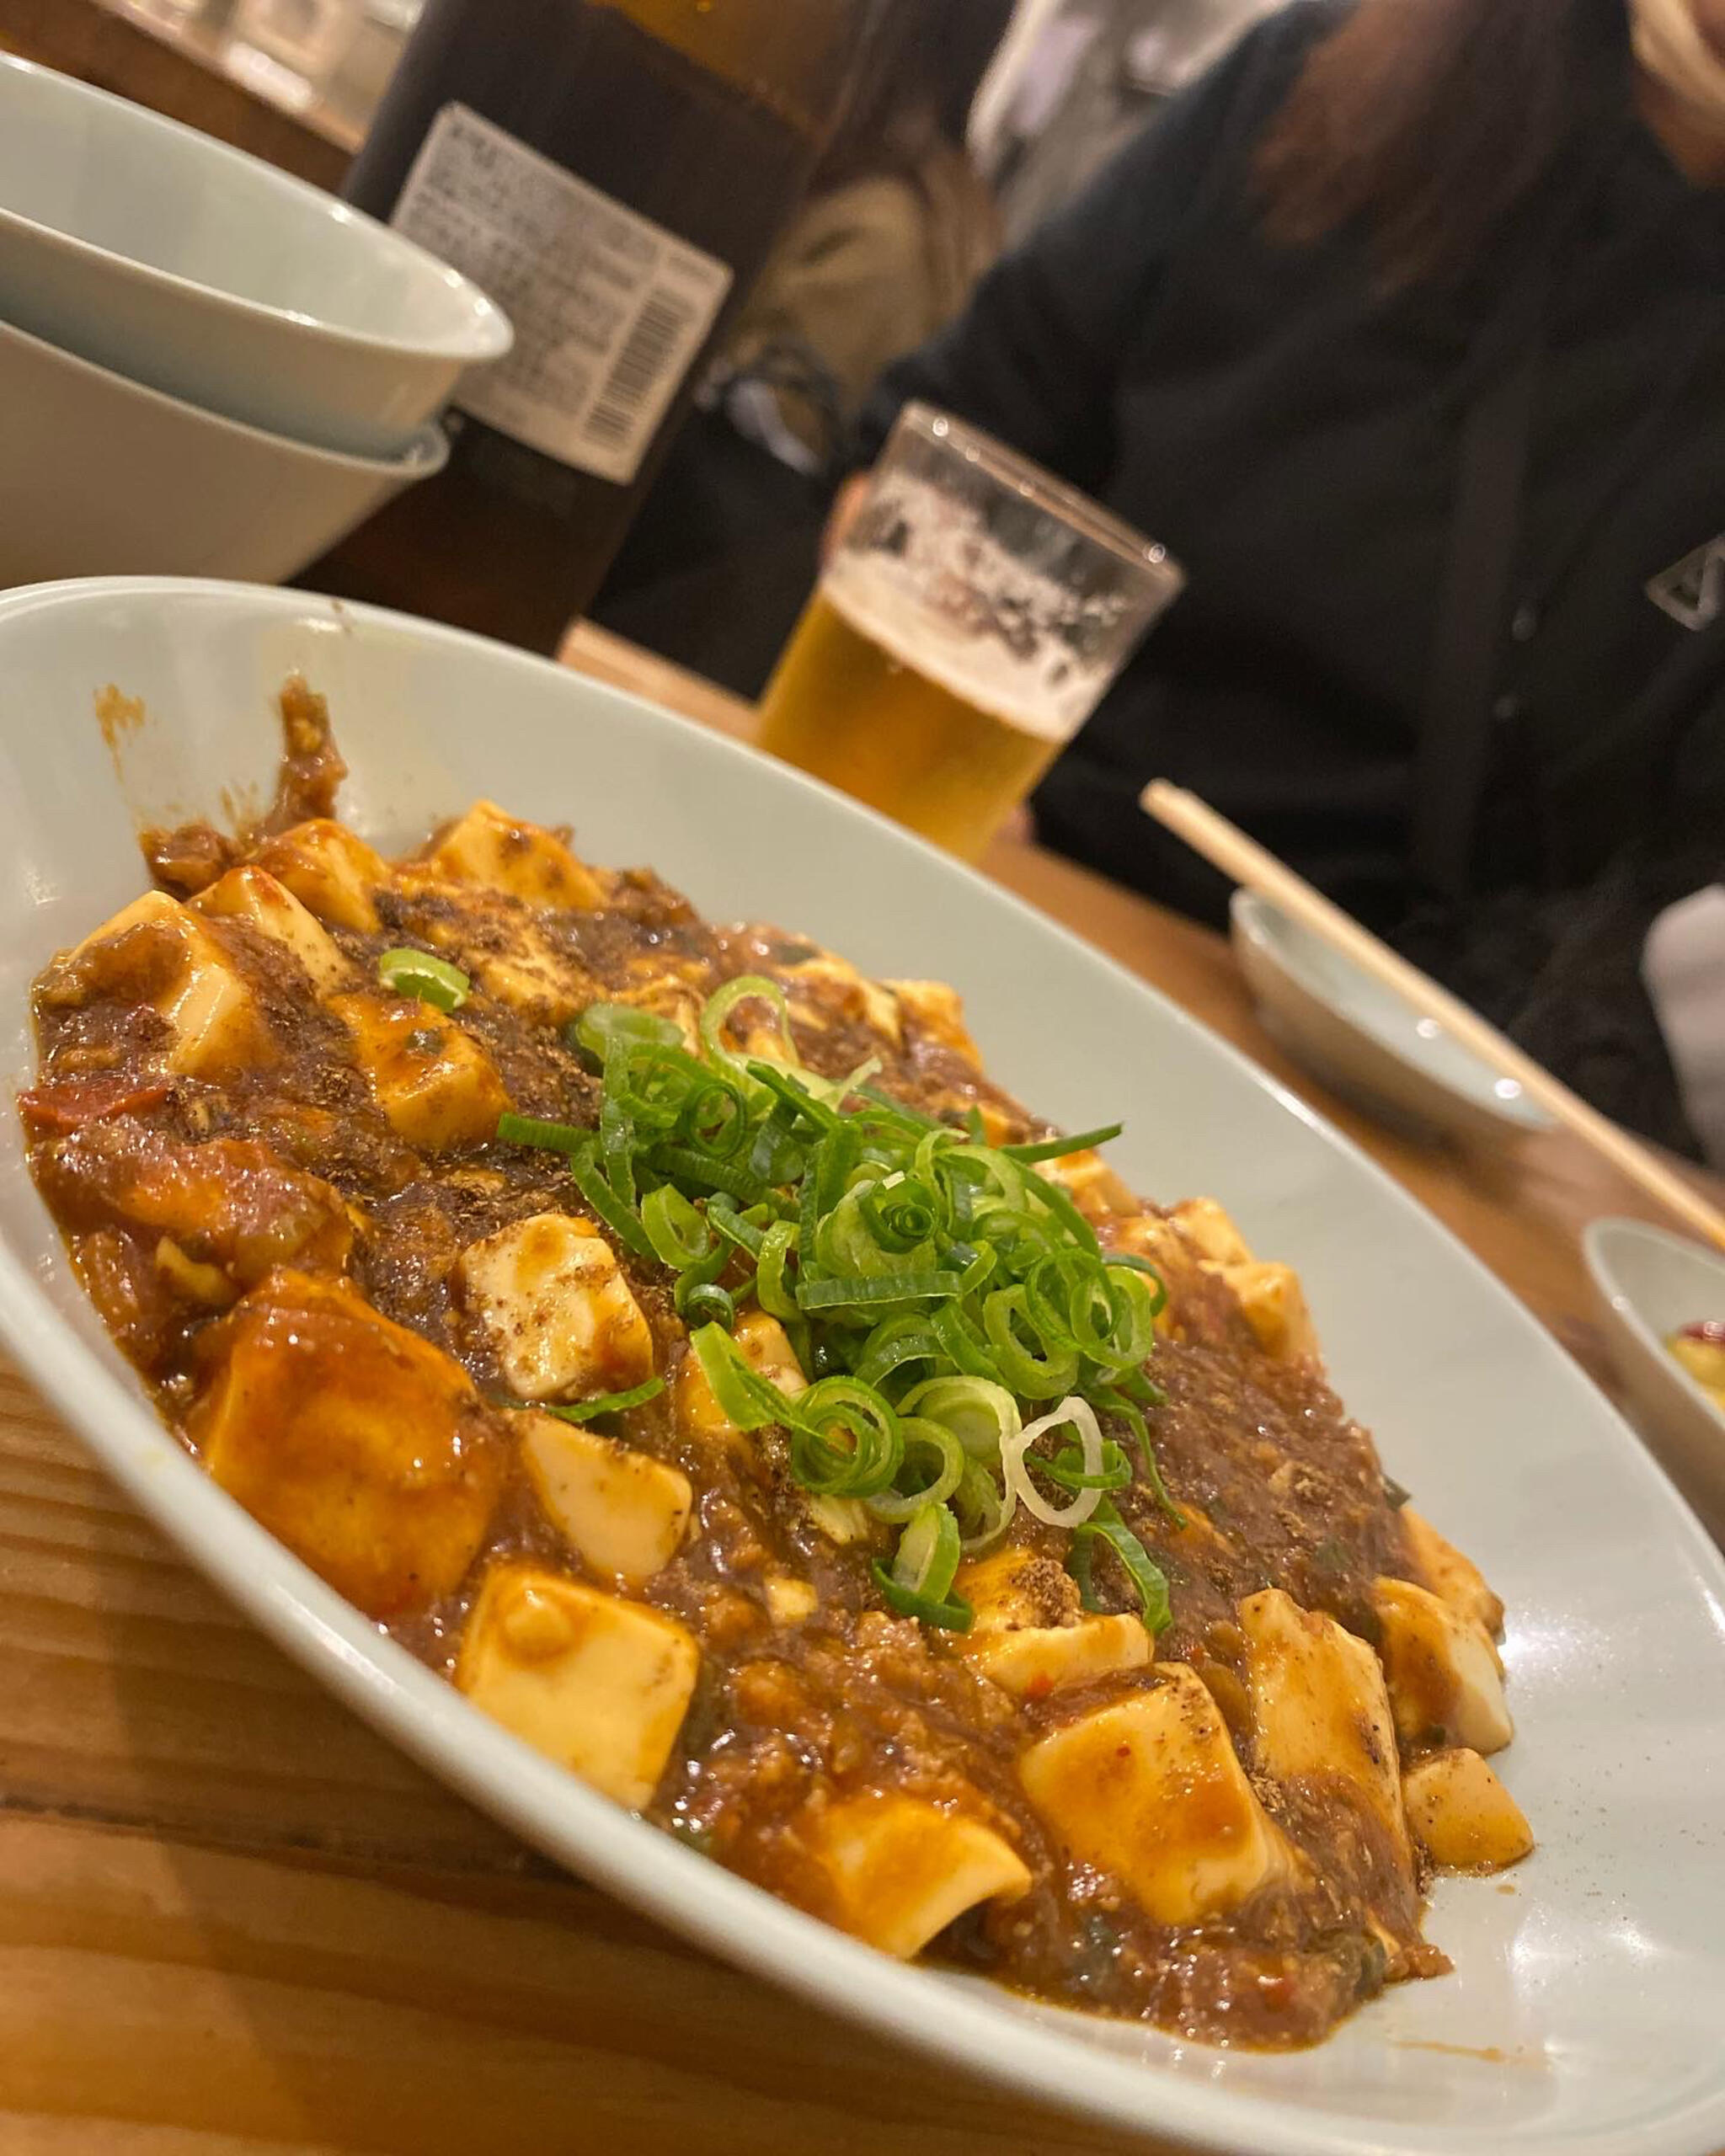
(1404, 329)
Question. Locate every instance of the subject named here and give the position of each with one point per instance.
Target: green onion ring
(677, 1229)
(1029, 1375)
(982, 1416)
(948, 1455)
(603, 1026)
(432, 979)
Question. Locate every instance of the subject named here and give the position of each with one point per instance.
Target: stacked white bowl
(206, 367)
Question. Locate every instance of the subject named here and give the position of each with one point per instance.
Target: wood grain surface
(231, 1919)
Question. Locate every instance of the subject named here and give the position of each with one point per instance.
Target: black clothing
(1290, 430)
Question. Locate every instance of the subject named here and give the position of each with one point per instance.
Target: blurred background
(1071, 79)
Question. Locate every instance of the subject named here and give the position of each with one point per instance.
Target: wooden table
(231, 1917)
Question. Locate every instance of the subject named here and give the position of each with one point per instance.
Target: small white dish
(151, 248)
(99, 475)
(1650, 1285)
(1582, 2016)
(1357, 1035)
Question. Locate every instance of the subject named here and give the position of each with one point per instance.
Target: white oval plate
(1583, 2016)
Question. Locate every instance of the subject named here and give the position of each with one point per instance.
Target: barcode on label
(652, 346)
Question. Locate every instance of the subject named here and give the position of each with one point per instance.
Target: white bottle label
(609, 308)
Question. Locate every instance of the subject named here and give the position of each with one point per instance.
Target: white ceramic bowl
(1650, 1285)
(161, 253)
(99, 475)
(1582, 2018)
(1362, 1040)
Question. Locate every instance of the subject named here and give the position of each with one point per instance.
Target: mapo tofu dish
(679, 1341)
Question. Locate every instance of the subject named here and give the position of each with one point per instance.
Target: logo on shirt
(1692, 591)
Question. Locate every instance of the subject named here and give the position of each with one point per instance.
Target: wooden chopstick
(1229, 849)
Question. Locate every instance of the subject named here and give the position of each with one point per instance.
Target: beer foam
(1049, 692)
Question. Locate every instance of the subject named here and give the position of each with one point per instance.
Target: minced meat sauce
(1278, 1486)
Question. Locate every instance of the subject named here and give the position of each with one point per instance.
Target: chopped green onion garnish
(928, 1445)
(1068, 1470)
(602, 1027)
(550, 1137)
(1149, 1582)
(847, 1441)
(704, 1302)
(678, 1233)
(744, 1397)
(927, 1554)
(608, 1403)
(1054, 1149)
(935, 1289)
(863, 1289)
(771, 1289)
(434, 980)
(955, 1615)
(606, 1204)
(920, 1583)
(719, 1006)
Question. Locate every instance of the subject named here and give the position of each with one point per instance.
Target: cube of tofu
(939, 1010)
(1034, 1661)
(789, 1601)
(499, 943)
(158, 952)
(552, 1301)
(1150, 1236)
(492, 849)
(1149, 1789)
(364, 1448)
(620, 1510)
(438, 1089)
(827, 989)
(902, 1869)
(598, 1684)
(1017, 1587)
(1029, 1632)
(1210, 1231)
(1273, 1304)
(255, 897)
(332, 872)
(1442, 1672)
(1462, 1816)
(1452, 1578)
(1319, 1705)
(530, 977)
(1092, 1184)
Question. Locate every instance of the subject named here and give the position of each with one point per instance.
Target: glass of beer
(965, 627)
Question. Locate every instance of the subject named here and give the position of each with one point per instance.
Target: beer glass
(965, 627)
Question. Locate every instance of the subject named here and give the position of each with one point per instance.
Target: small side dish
(679, 1341)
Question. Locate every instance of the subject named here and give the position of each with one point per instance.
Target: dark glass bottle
(614, 173)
